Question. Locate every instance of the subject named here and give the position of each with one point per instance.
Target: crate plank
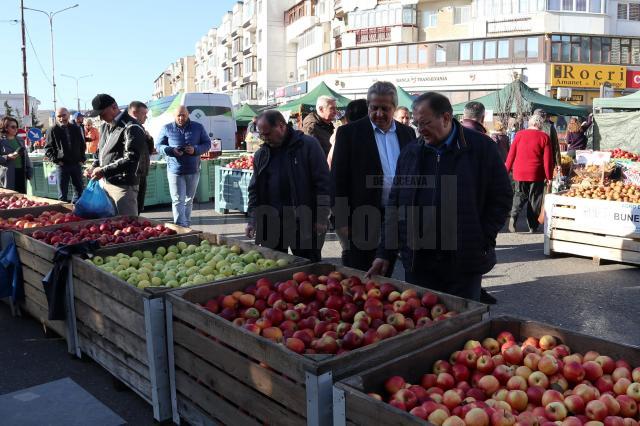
(34, 247)
(36, 263)
(240, 395)
(623, 256)
(193, 415)
(41, 314)
(223, 411)
(243, 369)
(110, 308)
(121, 371)
(359, 406)
(35, 211)
(112, 332)
(596, 240)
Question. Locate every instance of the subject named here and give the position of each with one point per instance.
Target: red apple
(517, 399)
(596, 410)
(575, 404)
(628, 407)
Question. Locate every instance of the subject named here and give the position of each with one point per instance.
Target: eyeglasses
(13, 126)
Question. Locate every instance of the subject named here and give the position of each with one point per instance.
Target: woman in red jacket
(531, 160)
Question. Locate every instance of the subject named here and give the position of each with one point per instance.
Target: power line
(38, 60)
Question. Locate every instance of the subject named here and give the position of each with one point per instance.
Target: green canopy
(631, 101)
(404, 99)
(532, 100)
(244, 115)
(308, 102)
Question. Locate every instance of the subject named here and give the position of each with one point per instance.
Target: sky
(123, 44)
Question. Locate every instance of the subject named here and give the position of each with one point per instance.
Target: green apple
(134, 261)
(147, 254)
(236, 249)
(205, 243)
(282, 262)
(182, 245)
(173, 283)
(156, 281)
(97, 260)
(143, 284)
(137, 254)
(251, 268)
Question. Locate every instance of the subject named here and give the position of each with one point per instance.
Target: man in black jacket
(289, 193)
(362, 170)
(65, 147)
(122, 140)
(450, 198)
(138, 110)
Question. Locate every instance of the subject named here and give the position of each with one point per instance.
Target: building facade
(179, 77)
(15, 101)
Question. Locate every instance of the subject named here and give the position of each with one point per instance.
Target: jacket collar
(472, 124)
(458, 143)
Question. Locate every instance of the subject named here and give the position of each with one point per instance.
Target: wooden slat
(363, 410)
(85, 274)
(604, 229)
(129, 377)
(35, 211)
(559, 212)
(33, 246)
(243, 369)
(616, 255)
(213, 405)
(193, 414)
(232, 390)
(596, 240)
(31, 292)
(113, 332)
(36, 263)
(91, 338)
(111, 308)
(276, 356)
(41, 314)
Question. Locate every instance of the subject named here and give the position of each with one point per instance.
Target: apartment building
(206, 62)
(467, 48)
(179, 77)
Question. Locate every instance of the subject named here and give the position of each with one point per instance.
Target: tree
(8, 109)
(34, 120)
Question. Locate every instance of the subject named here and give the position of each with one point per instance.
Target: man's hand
(177, 152)
(13, 155)
(97, 173)
(378, 267)
(189, 150)
(321, 228)
(249, 231)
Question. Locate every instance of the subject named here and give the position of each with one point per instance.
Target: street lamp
(77, 79)
(50, 15)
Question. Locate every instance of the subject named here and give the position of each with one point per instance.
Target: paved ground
(567, 291)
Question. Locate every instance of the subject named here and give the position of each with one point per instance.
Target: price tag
(53, 179)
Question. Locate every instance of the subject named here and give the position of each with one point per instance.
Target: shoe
(486, 298)
(534, 229)
(512, 225)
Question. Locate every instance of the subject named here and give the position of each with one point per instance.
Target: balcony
(373, 35)
(224, 63)
(249, 50)
(250, 24)
(251, 77)
(299, 26)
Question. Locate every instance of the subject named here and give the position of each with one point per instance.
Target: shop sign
(291, 90)
(613, 215)
(592, 76)
(633, 79)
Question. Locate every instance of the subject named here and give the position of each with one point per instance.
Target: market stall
(617, 122)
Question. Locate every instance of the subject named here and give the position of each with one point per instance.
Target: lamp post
(77, 79)
(50, 15)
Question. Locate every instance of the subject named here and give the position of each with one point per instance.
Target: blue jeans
(182, 189)
(64, 173)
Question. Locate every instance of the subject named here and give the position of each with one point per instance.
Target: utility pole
(77, 79)
(24, 62)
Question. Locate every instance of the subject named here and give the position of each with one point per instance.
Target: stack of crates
(233, 189)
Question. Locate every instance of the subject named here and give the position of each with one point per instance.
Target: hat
(77, 114)
(99, 103)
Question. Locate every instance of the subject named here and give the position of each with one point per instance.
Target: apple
(393, 384)
(460, 372)
(534, 394)
(455, 421)
(491, 345)
(538, 378)
(524, 372)
(575, 404)
(621, 372)
(586, 392)
(531, 360)
(441, 366)
(503, 373)
(613, 421)
(407, 397)
(484, 364)
(451, 399)
(517, 399)
(628, 407)
(635, 374)
(573, 371)
(613, 406)
(547, 342)
(592, 370)
(468, 358)
(550, 396)
(604, 384)
(556, 411)
(513, 355)
(596, 410)
(633, 391)
(475, 417)
(620, 387)
(445, 381)
(419, 412)
(517, 383)
(571, 421)
(504, 337)
(295, 344)
(273, 333)
(428, 380)
(548, 365)
(607, 363)
(353, 339)
(502, 417)
(489, 384)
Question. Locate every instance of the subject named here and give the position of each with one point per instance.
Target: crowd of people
(419, 185)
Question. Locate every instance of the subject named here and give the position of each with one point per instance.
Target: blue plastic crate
(232, 189)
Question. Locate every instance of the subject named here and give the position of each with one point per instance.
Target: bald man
(182, 143)
(65, 147)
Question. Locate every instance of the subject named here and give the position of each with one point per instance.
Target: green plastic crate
(233, 189)
(164, 195)
(151, 194)
(203, 192)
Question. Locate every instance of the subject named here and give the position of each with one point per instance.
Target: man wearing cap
(122, 140)
(78, 120)
(65, 148)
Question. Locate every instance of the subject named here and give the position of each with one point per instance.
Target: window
(372, 56)
(585, 49)
(344, 60)
(382, 56)
(595, 6)
(606, 50)
(461, 14)
(363, 58)
(581, 5)
(413, 54)
(503, 49)
(623, 10)
(353, 60)
(553, 5)
(260, 64)
(441, 55)
(393, 55)
(615, 51)
(532, 47)
(565, 55)
(465, 51)
(259, 34)
(402, 55)
(382, 16)
(490, 49)
(478, 47)
(634, 11)
(422, 55)
(519, 48)
(429, 19)
(567, 4)
(596, 50)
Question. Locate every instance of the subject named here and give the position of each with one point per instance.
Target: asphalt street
(566, 291)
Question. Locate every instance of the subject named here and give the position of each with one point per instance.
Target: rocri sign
(633, 79)
(593, 76)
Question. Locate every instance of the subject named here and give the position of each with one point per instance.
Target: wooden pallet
(221, 373)
(592, 228)
(353, 406)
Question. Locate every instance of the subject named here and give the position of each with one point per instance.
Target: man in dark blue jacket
(289, 193)
(450, 198)
(182, 143)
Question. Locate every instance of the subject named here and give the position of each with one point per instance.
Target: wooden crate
(353, 406)
(219, 372)
(36, 211)
(123, 328)
(4, 192)
(19, 212)
(37, 260)
(593, 228)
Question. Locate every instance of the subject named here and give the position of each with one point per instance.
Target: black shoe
(485, 297)
(512, 225)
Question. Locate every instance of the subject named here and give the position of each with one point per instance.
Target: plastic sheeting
(617, 130)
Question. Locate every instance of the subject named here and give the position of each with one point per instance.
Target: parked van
(213, 110)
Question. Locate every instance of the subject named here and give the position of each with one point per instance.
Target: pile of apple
(614, 191)
(46, 218)
(108, 232)
(621, 153)
(499, 382)
(327, 314)
(183, 264)
(244, 163)
(16, 202)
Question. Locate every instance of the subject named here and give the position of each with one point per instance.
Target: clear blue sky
(124, 44)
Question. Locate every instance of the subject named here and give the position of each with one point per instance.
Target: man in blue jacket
(289, 193)
(182, 143)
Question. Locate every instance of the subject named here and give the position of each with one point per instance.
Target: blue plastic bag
(94, 202)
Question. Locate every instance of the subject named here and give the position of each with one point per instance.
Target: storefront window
(490, 49)
(606, 50)
(353, 60)
(532, 47)
(567, 4)
(635, 52)
(441, 55)
(465, 51)
(363, 58)
(402, 55)
(581, 5)
(615, 50)
(345, 60)
(520, 47)
(566, 49)
(596, 53)
(477, 50)
(382, 56)
(503, 49)
(393, 55)
(372, 57)
(422, 55)
(625, 46)
(585, 50)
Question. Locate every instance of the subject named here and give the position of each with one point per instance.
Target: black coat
(61, 151)
(121, 146)
(463, 231)
(309, 183)
(355, 161)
